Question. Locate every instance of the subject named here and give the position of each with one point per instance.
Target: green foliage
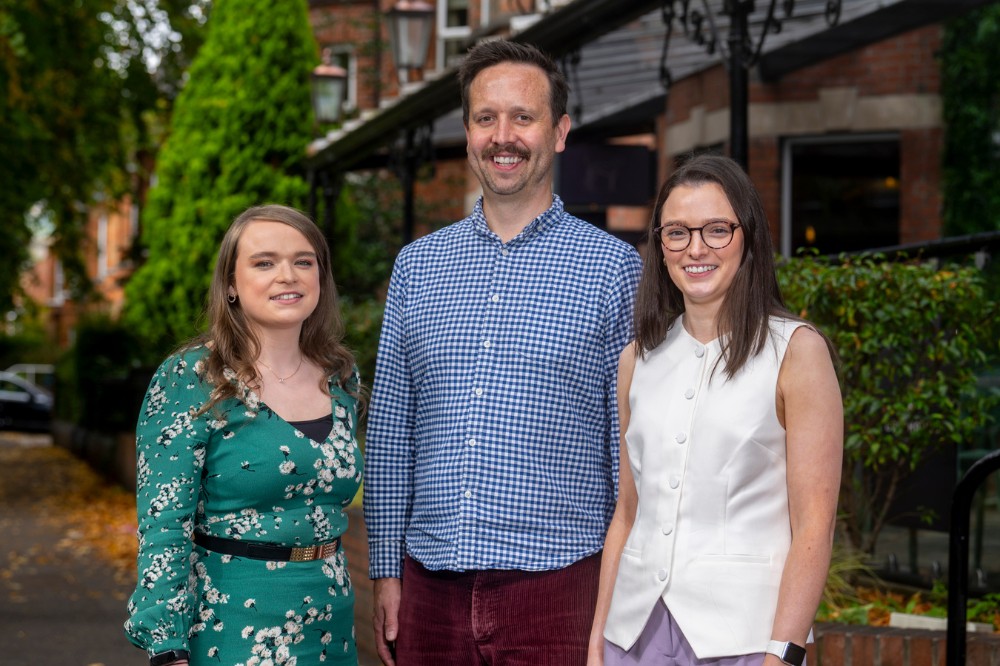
(874, 605)
(911, 338)
(74, 90)
(363, 321)
(239, 130)
(366, 234)
(25, 339)
(95, 378)
(970, 91)
(986, 609)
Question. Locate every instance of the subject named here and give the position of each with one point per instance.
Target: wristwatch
(168, 657)
(788, 652)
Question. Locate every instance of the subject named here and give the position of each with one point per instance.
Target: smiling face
(702, 274)
(276, 277)
(512, 137)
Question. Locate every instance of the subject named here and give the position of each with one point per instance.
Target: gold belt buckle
(303, 554)
(307, 553)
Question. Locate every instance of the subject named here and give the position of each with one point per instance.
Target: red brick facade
(860, 92)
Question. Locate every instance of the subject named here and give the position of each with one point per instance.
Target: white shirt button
(675, 481)
(667, 528)
(487, 344)
(681, 437)
(472, 442)
(699, 352)
(468, 494)
(478, 392)
(689, 393)
(662, 574)
(495, 298)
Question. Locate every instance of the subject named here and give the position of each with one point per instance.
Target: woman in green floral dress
(247, 458)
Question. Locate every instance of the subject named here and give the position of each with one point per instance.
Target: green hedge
(912, 338)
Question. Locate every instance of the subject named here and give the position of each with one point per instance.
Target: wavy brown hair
(753, 296)
(230, 339)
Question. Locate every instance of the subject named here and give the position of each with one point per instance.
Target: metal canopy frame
(363, 143)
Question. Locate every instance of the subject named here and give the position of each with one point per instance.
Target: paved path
(60, 603)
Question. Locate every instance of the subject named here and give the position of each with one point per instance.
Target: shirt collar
(547, 220)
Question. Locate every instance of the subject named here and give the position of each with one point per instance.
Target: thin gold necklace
(281, 380)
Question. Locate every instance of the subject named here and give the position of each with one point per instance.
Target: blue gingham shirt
(492, 437)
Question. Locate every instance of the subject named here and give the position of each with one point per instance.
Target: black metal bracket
(738, 49)
(571, 70)
(411, 150)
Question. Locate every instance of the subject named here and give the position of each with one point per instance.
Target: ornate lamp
(329, 88)
(411, 23)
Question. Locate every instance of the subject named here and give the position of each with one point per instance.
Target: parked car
(24, 406)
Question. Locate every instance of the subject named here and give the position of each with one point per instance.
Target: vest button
(689, 393)
(681, 437)
(662, 574)
(667, 528)
(675, 481)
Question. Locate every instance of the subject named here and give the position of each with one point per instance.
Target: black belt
(267, 551)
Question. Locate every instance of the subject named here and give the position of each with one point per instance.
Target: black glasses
(677, 237)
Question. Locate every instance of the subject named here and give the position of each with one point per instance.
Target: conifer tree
(238, 133)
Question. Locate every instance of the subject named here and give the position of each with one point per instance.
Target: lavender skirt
(661, 643)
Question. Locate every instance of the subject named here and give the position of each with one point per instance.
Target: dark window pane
(845, 196)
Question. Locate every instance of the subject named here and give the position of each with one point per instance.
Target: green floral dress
(240, 471)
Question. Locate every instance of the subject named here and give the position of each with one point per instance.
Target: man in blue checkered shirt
(492, 443)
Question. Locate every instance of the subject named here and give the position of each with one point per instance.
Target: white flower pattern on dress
(240, 472)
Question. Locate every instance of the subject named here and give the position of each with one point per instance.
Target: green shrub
(238, 134)
(911, 338)
(363, 323)
(99, 380)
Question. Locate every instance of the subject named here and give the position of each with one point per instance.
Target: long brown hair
(754, 294)
(230, 339)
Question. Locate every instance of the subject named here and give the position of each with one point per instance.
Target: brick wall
(850, 645)
(890, 86)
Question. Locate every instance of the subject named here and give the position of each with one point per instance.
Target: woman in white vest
(731, 450)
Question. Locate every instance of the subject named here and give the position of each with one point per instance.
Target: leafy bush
(99, 380)
(363, 323)
(911, 338)
(874, 605)
(238, 134)
(970, 55)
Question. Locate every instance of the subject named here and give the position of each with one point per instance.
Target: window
(840, 194)
(342, 55)
(455, 20)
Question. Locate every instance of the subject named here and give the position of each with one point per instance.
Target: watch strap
(168, 657)
(786, 651)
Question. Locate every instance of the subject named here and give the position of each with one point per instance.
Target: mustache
(508, 148)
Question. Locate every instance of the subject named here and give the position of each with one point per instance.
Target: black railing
(958, 553)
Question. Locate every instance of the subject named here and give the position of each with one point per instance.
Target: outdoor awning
(616, 85)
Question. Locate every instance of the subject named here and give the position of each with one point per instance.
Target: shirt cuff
(385, 558)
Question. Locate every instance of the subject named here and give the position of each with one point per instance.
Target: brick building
(844, 123)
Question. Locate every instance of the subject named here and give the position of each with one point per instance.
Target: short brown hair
(500, 51)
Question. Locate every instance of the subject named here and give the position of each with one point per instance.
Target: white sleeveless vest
(712, 529)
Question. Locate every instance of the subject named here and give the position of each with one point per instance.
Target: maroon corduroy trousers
(509, 618)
